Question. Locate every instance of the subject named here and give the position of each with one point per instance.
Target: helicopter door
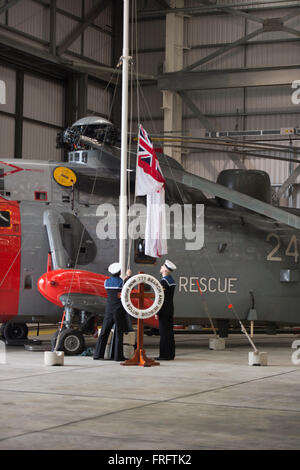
(10, 258)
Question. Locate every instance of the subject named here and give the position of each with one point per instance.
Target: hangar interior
(211, 66)
(218, 82)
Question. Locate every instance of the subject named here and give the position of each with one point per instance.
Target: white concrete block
(128, 351)
(129, 338)
(257, 358)
(107, 351)
(217, 344)
(54, 358)
(296, 354)
(2, 352)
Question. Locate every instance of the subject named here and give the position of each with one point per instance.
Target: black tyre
(13, 331)
(71, 342)
(2, 331)
(223, 327)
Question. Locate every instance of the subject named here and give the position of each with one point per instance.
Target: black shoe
(121, 360)
(163, 359)
(98, 358)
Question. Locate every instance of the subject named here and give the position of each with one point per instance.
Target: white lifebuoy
(130, 284)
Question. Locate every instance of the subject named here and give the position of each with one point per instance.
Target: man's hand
(128, 272)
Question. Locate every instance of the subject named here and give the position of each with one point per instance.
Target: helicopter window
(139, 253)
(28, 282)
(70, 157)
(77, 157)
(4, 219)
(40, 196)
(84, 157)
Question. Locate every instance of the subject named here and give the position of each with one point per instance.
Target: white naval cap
(169, 265)
(114, 268)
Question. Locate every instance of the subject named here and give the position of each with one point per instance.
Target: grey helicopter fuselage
(248, 261)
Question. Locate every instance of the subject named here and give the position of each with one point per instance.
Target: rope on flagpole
(133, 72)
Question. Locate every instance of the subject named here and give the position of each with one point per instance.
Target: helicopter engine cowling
(254, 183)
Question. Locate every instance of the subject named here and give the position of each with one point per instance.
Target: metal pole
(124, 137)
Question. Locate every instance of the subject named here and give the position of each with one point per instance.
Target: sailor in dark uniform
(166, 313)
(114, 315)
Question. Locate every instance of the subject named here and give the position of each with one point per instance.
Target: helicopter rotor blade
(241, 199)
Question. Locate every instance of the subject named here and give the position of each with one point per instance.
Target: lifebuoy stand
(140, 358)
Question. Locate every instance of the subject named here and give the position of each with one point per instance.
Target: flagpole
(124, 138)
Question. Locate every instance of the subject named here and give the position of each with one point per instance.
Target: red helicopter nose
(53, 284)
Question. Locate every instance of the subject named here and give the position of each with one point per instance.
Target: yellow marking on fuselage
(41, 332)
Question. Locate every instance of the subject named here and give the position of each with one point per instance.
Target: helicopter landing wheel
(71, 342)
(12, 331)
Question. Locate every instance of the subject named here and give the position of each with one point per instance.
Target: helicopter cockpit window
(78, 157)
(4, 219)
(98, 131)
(139, 253)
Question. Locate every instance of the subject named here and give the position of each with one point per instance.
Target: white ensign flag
(150, 182)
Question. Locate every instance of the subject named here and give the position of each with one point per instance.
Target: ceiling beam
(229, 78)
(233, 11)
(224, 49)
(292, 31)
(291, 16)
(276, 4)
(92, 15)
(196, 111)
(290, 180)
(8, 5)
(23, 53)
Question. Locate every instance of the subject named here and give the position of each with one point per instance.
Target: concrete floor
(202, 400)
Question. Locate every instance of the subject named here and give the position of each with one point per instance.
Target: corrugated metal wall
(39, 142)
(31, 18)
(99, 100)
(7, 133)
(7, 120)
(44, 98)
(8, 75)
(212, 29)
(44, 103)
(150, 61)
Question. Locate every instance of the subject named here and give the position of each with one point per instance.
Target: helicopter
(52, 259)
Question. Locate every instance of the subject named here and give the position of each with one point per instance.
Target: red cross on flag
(150, 182)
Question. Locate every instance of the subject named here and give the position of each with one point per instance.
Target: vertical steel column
(83, 83)
(172, 102)
(19, 114)
(52, 27)
(70, 99)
